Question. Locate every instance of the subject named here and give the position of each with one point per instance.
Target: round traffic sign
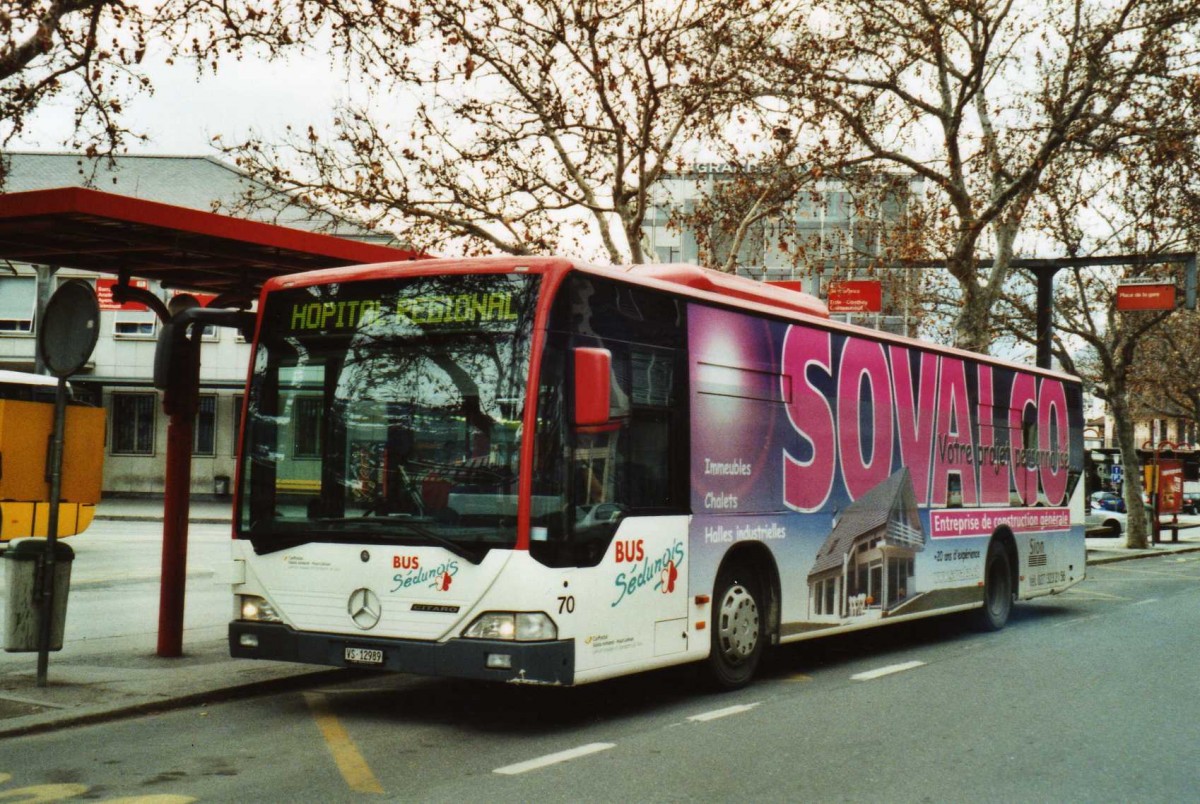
(69, 328)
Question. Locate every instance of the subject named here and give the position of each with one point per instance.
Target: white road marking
(886, 671)
(704, 717)
(1144, 602)
(554, 759)
(1093, 595)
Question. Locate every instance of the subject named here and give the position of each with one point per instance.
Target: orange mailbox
(25, 432)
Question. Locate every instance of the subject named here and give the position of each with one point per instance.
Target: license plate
(364, 656)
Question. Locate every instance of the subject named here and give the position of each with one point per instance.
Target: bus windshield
(388, 411)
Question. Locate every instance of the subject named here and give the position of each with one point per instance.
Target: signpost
(66, 338)
(856, 296)
(1135, 296)
(104, 293)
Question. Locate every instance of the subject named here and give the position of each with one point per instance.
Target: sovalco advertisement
(874, 472)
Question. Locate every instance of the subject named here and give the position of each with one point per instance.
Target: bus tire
(997, 589)
(738, 627)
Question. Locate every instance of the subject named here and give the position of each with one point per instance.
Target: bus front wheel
(997, 589)
(737, 629)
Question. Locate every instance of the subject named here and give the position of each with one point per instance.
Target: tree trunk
(973, 327)
(1136, 523)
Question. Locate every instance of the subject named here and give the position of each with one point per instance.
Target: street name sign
(1132, 296)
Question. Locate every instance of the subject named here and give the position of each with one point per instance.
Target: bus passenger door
(639, 591)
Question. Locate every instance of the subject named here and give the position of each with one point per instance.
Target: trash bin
(221, 485)
(22, 622)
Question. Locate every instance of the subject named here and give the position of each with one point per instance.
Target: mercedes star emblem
(364, 608)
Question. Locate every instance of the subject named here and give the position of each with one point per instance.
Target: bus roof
(706, 280)
(690, 280)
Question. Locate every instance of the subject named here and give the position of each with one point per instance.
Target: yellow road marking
(798, 677)
(353, 767)
(62, 792)
(36, 794)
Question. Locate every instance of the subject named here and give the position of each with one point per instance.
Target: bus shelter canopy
(75, 227)
(185, 249)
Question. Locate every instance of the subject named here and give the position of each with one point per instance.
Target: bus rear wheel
(738, 633)
(997, 589)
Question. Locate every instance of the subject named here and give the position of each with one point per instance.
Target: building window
(135, 324)
(307, 424)
(133, 424)
(18, 300)
(206, 426)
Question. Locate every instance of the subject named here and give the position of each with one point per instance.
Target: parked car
(1105, 524)
(1107, 501)
(1191, 502)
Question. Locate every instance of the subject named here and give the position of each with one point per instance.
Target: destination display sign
(430, 303)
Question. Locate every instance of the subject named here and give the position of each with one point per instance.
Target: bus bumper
(528, 662)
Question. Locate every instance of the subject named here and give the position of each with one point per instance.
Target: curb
(198, 520)
(41, 723)
(1149, 553)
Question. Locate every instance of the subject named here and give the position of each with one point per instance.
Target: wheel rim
(738, 624)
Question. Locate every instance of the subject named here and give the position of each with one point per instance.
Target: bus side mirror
(177, 353)
(173, 354)
(593, 374)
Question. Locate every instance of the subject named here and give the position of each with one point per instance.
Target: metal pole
(176, 499)
(1189, 282)
(45, 283)
(47, 566)
(1045, 313)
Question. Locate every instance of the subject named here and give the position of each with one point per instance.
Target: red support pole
(179, 402)
(176, 499)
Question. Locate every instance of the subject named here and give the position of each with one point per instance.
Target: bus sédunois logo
(364, 608)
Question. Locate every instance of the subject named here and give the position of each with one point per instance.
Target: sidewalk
(103, 679)
(90, 683)
(1108, 550)
(206, 509)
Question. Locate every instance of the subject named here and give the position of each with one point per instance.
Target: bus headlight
(518, 626)
(257, 610)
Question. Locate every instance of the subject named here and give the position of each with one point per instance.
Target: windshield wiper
(451, 545)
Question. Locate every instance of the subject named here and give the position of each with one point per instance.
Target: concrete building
(829, 230)
(119, 374)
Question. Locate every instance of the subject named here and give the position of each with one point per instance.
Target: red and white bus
(541, 471)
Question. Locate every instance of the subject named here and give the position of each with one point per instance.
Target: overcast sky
(184, 113)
